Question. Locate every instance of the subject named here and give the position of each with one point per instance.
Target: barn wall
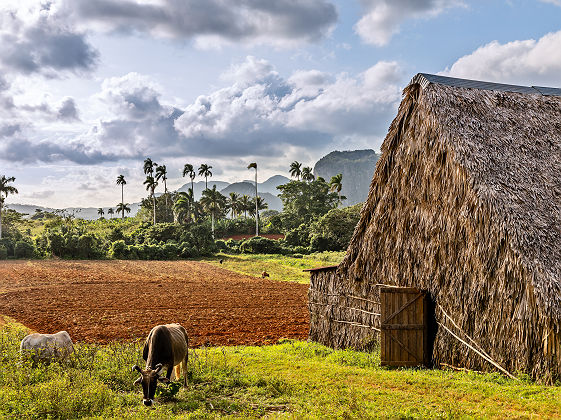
(342, 316)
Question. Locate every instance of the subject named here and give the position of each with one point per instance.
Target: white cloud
(382, 18)
(527, 62)
(554, 2)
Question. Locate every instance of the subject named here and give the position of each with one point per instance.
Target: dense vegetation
(292, 378)
(175, 225)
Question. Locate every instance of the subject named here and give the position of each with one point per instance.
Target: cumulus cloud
(34, 38)
(382, 18)
(280, 22)
(528, 62)
(264, 114)
(260, 113)
(68, 111)
(555, 2)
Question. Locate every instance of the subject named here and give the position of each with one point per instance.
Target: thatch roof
(506, 141)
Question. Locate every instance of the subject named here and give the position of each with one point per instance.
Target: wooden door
(404, 327)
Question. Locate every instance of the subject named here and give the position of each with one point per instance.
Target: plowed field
(101, 301)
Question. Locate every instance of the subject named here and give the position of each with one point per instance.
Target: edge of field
(279, 267)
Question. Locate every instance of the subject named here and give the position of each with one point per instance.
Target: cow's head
(149, 379)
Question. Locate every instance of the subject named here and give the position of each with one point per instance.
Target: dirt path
(100, 301)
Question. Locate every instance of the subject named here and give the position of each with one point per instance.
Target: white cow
(47, 347)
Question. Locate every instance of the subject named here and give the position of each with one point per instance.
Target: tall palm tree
(149, 167)
(307, 174)
(296, 170)
(121, 181)
(100, 212)
(182, 206)
(254, 166)
(189, 170)
(151, 185)
(213, 202)
(234, 204)
(122, 208)
(5, 189)
(110, 212)
(336, 184)
(162, 173)
(246, 203)
(204, 170)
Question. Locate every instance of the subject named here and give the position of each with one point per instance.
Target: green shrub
(260, 245)
(88, 246)
(55, 244)
(119, 250)
(221, 245)
(333, 231)
(9, 245)
(3, 252)
(299, 236)
(24, 249)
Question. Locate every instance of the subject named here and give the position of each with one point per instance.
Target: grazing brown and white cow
(47, 347)
(167, 346)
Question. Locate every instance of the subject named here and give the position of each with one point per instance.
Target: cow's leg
(185, 364)
(169, 372)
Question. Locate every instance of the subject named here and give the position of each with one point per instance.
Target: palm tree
(296, 170)
(245, 204)
(234, 204)
(151, 185)
(307, 174)
(110, 212)
(254, 165)
(100, 212)
(121, 181)
(122, 208)
(204, 170)
(336, 185)
(5, 189)
(213, 202)
(161, 173)
(260, 205)
(189, 170)
(182, 206)
(149, 166)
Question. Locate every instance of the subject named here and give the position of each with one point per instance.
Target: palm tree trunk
(154, 204)
(123, 200)
(256, 207)
(212, 223)
(0, 216)
(206, 183)
(192, 188)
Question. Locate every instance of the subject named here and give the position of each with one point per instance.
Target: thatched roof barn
(465, 204)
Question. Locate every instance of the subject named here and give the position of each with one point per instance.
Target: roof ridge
(425, 79)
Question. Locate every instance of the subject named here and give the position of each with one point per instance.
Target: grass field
(292, 379)
(279, 267)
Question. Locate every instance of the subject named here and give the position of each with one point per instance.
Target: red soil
(100, 301)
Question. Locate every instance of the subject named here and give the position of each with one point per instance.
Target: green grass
(279, 267)
(292, 379)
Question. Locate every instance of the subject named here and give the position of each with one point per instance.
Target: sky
(90, 88)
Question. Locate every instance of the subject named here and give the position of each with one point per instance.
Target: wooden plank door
(404, 327)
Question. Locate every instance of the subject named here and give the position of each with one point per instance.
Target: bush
(333, 231)
(119, 250)
(299, 236)
(55, 244)
(8, 244)
(221, 245)
(260, 245)
(24, 250)
(3, 252)
(88, 246)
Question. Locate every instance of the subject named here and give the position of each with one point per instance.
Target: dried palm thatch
(465, 203)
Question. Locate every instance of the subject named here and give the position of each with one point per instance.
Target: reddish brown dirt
(101, 301)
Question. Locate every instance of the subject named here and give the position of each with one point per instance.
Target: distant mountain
(357, 167)
(200, 187)
(245, 187)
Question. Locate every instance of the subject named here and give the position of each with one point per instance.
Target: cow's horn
(158, 367)
(139, 380)
(135, 367)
